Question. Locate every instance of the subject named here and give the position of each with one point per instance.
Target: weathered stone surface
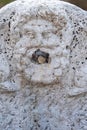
(49, 92)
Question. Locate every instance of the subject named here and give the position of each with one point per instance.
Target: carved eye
(30, 34)
(47, 34)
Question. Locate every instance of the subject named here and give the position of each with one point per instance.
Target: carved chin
(45, 75)
(43, 79)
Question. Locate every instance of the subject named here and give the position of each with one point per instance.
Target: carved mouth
(40, 57)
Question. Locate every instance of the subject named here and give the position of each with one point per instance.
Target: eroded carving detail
(49, 95)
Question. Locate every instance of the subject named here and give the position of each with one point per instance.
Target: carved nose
(39, 39)
(40, 57)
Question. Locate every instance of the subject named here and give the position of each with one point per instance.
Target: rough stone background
(49, 96)
(81, 3)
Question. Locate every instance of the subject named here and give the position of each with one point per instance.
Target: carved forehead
(35, 22)
(44, 13)
(39, 24)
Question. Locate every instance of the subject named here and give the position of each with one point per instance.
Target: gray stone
(49, 92)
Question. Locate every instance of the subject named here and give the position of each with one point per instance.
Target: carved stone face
(39, 34)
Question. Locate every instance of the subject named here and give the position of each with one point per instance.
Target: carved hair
(44, 12)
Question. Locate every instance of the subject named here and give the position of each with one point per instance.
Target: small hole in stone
(9, 24)
(67, 47)
(8, 39)
(73, 68)
(35, 120)
(4, 20)
(82, 62)
(11, 17)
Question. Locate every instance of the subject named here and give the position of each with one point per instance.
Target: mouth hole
(40, 57)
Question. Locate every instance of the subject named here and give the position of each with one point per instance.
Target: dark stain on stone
(40, 57)
(9, 24)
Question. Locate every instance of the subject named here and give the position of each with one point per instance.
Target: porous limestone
(46, 95)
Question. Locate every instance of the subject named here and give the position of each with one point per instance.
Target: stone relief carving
(43, 66)
(42, 35)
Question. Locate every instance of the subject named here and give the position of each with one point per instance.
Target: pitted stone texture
(48, 96)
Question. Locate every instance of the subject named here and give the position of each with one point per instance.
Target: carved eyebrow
(49, 31)
(27, 31)
(28, 28)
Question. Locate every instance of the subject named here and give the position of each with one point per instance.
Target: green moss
(4, 2)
